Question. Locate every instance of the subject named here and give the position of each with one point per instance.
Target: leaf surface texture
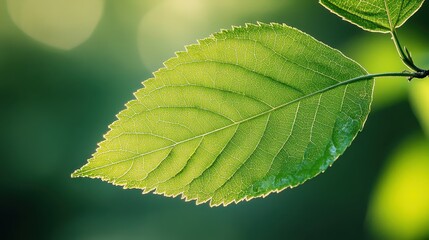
(243, 113)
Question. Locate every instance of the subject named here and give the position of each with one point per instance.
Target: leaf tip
(77, 173)
(82, 172)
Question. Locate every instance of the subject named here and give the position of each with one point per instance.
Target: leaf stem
(404, 54)
(410, 76)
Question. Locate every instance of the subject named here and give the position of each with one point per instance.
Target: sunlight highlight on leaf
(63, 24)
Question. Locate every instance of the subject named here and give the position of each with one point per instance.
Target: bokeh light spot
(173, 24)
(63, 24)
(399, 208)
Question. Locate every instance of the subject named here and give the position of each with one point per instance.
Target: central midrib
(225, 127)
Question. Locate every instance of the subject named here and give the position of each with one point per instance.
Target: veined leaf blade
(374, 15)
(245, 112)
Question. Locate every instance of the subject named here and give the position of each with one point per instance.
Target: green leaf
(245, 112)
(374, 15)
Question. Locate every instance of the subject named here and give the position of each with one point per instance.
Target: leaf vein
(246, 160)
(217, 157)
(185, 165)
(241, 67)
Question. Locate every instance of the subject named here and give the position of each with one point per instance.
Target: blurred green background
(68, 66)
